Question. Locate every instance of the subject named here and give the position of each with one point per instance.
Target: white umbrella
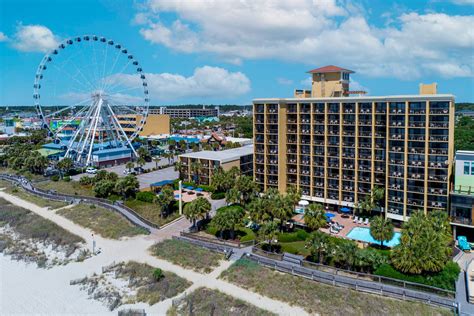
(303, 203)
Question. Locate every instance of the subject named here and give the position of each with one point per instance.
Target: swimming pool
(363, 234)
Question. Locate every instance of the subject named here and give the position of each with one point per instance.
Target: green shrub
(211, 230)
(218, 195)
(207, 188)
(189, 184)
(85, 180)
(55, 178)
(67, 178)
(158, 274)
(146, 196)
(445, 279)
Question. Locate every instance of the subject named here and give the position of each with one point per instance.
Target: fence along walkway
(357, 284)
(337, 277)
(125, 211)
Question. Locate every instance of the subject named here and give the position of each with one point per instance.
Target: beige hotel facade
(336, 148)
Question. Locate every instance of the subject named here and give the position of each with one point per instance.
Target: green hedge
(217, 195)
(445, 279)
(297, 235)
(207, 188)
(145, 196)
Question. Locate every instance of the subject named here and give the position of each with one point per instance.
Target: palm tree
(314, 216)
(227, 218)
(64, 165)
(258, 209)
(247, 187)
(294, 194)
(282, 208)
(319, 245)
(197, 209)
(345, 254)
(130, 165)
(157, 160)
(422, 247)
(381, 229)
(141, 162)
(269, 232)
(232, 196)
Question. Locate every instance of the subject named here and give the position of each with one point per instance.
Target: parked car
(91, 170)
(139, 169)
(127, 172)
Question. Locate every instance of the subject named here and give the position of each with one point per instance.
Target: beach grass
(204, 301)
(66, 187)
(148, 289)
(318, 298)
(30, 226)
(41, 202)
(106, 223)
(187, 255)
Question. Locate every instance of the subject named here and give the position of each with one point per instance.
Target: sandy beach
(26, 289)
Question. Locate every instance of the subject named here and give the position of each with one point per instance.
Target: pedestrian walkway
(136, 249)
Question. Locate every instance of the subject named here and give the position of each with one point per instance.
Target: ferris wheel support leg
(92, 120)
(79, 131)
(99, 106)
(114, 117)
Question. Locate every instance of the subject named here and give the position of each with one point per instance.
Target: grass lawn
(242, 233)
(204, 301)
(320, 298)
(70, 188)
(295, 247)
(151, 212)
(104, 222)
(22, 194)
(187, 255)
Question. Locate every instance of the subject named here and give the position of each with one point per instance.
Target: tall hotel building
(337, 148)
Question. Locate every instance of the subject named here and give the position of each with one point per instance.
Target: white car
(91, 170)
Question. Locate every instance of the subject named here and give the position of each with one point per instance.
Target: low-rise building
(199, 166)
(175, 112)
(462, 195)
(155, 124)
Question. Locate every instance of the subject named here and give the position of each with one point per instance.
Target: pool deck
(345, 220)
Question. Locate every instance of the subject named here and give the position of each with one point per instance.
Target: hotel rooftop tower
(337, 148)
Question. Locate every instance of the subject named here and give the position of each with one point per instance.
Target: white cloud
(3, 37)
(205, 82)
(34, 38)
(356, 86)
(284, 81)
(463, 2)
(315, 33)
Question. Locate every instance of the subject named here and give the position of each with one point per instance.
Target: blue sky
(229, 52)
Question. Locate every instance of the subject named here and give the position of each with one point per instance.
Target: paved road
(465, 308)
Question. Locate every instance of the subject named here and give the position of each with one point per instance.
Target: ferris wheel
(91, 94)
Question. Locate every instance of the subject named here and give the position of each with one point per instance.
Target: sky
(230, 52)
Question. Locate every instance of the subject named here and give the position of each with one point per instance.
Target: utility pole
(180, 197)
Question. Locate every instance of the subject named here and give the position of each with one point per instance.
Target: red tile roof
(330, 68)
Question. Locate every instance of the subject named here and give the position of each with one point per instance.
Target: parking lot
(145, 179)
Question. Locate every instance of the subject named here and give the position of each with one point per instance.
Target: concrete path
(136, 249)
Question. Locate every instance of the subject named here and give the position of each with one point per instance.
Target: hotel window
(466, 168)
(472, 168)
